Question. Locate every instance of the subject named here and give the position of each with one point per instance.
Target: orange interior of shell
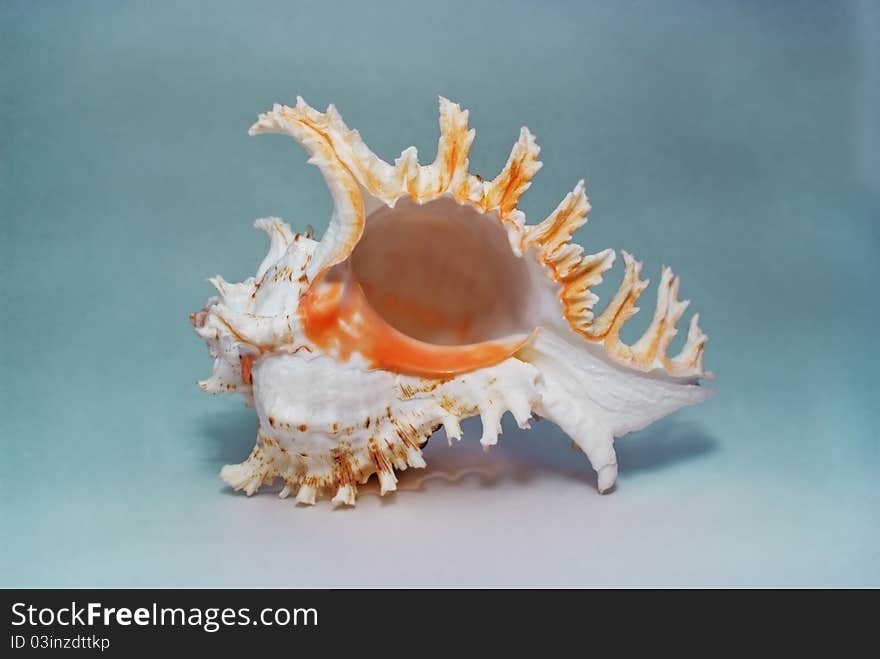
(430, 290)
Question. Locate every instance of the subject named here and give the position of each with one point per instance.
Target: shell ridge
(386, 439)
(348, 218)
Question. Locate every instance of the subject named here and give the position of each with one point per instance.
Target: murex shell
(428, 300)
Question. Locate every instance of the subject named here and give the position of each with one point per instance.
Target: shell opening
(442, 273)
(431, 290)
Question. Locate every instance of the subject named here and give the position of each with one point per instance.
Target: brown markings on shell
(408, 391)
(197, 318)
(454, 406)
(397, 450)
(247, 362)
(345, 469)
(269, 459)
(313, 481)
(407, 435)
(378, 457)
(261, 467)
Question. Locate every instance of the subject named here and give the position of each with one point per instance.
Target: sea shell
(430, 299)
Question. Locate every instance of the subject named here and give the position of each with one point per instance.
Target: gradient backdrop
(737, 142)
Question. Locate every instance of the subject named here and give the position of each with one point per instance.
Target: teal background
(737, 142)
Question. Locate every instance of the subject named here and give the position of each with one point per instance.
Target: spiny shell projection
(429, 299)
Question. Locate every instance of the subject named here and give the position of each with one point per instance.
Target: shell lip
(451, 361)
(337, 317)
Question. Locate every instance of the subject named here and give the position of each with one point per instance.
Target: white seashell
(428, 300)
